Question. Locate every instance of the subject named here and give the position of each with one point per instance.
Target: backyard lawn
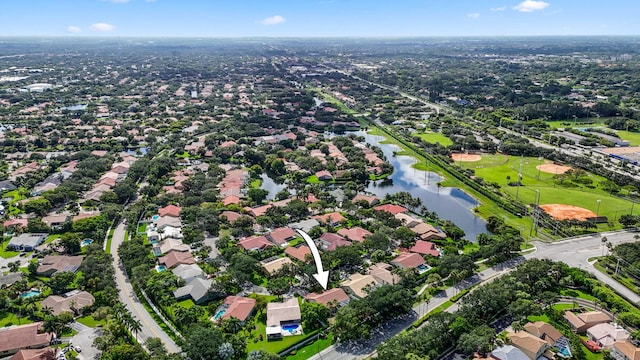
(8, 319)
(90, 321)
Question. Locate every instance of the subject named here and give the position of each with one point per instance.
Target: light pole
(598, 209)
(534, 227)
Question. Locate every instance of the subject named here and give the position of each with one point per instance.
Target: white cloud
(531, 5)
(273, 20)
(73, 29)
(102, 27)
(473, 15)
(501, 8)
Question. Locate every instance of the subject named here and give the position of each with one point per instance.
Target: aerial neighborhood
(155, 200)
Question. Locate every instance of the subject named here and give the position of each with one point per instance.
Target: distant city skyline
(317, 18)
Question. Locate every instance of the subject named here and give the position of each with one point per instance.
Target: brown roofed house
(231, 216)
(369, 199)
(72, 302)
(282, 236)
(30, 336)
(354, 234)
(333, 218)
(582, 321)
(299, 252)
(237, 307)
(531, 345)
(329, 298)
(52, 264)
(358, 285)
(544, 331)
(255, 243)
(174, 258)
(272, 266)
(425, 248)
(331, 241)
(170, 210)
(391, 208)
(408, 261)
(382, 273)
(35, 354)
(625, 350)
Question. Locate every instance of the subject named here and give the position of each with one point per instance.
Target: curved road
(128, 297)
(575, 252)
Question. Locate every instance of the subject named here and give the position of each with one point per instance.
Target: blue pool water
(161, 268)
(30, 294)
(219, 314)
(155, 217)
(86, 242)
(290, 328)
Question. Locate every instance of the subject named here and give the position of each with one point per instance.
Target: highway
(128, 297)
(575, 252)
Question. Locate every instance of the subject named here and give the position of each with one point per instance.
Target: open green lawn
(8, 319)
(584, 122)
(142, 227)
(187, 303)
(433, 138)
(275, 346)
(487, 161)
(550, 191)
(90, 321)
(632, 137)
(7, 253)
(312, 349)
(255, 183)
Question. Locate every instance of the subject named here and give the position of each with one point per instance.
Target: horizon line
(76, 36)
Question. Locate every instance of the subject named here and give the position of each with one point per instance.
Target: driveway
(84, 339)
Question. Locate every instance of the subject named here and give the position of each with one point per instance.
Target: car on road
(78, 348)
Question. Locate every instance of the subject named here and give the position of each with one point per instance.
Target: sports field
(433, 138)
(569, 191)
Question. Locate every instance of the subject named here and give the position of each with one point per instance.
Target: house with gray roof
(188, 272)
(9, 279)
(197, 289)
(305, 225)
(26, 242)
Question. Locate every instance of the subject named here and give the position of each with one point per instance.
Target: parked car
(78, 348)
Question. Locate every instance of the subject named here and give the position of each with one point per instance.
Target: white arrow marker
(321, 276)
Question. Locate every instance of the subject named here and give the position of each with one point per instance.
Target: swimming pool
(29, 294)
(85, 242)
(155, 217)
(161, 268)
(292, 329)
(219, 314)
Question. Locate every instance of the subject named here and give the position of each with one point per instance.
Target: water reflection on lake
(271, 186)
(449, 203)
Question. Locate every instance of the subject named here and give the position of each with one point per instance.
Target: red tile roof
(174, 258)
(425, 248)
(355, 234)
(333, 241)
(335, 217)
(231, 199)
(298, 252)
(238, 307)
(255, 243)
(391, 208)
(24, 336)
(170, 210)
(338, 295)
(16, 222)
(231, 216)
(281, 235)
(408, 260)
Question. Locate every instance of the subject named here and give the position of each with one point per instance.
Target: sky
(317, 18)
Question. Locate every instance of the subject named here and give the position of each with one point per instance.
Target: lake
(449, 203)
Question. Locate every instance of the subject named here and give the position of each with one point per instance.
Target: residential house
(255, 243)
(188, 272)
(231, 216)
(196, 289)
(331, 219)
(305, 225)
(425, 248)
(283, 319)
(625, 350)
(47, 353)
(72, 302)
(359, 285)
(329, 298)
(369, 199)
(605, 334)
(53, 264)
(165, 221)
(15, 224)
(544, 331)
(170, 210)
(580, 322)
(282, 236)
(56, 222)
(383, 274)
(168, 245)
(324, 175)
(508, 352)
(408, 220)
(531, 345)
(235, 307)
(174, 258)
(6, 185)
(331, 241)
(26, 242)
(273, 265)
(298, 252)
(391, 208)
(428, 232)
(11, 278)
(354, 234)
(29, 336)
(408, 261)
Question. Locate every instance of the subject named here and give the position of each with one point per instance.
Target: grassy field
(312, 349)
(8, 319)
(90, 321)
(550, 191)
(7, 253)
(486, 161)
(187, 303)
(632, 137)
(434, 138)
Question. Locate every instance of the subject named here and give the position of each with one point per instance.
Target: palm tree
(135, 326)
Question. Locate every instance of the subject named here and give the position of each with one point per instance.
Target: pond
(449, 203)
(271, 186)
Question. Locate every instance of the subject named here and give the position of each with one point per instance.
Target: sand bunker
(567, 212)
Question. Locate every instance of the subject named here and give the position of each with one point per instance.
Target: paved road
(130, 300)
(574, 252)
